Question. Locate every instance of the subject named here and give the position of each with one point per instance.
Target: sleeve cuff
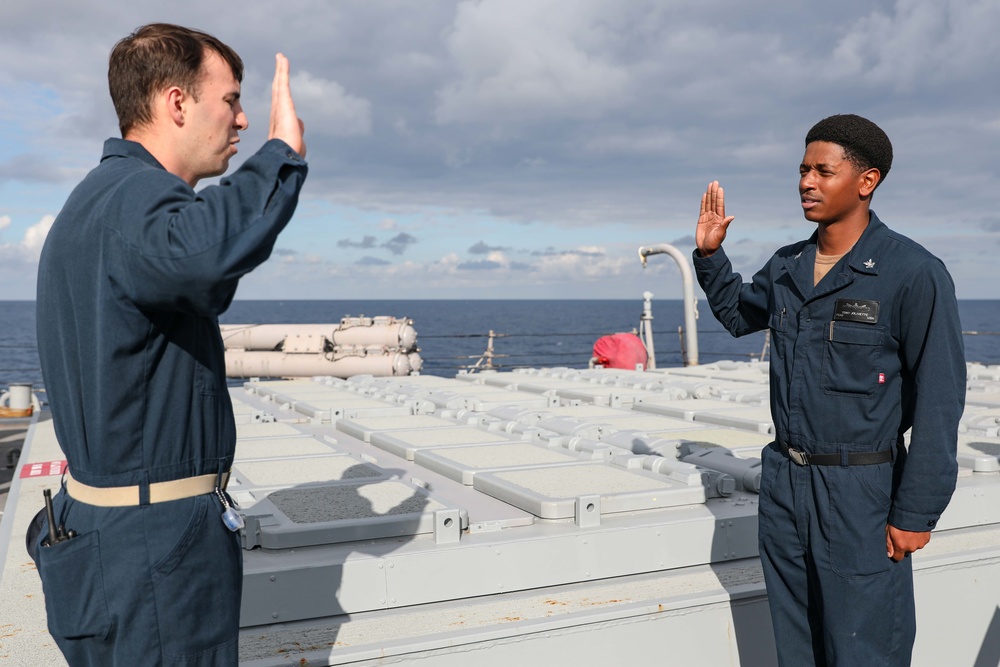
(715, 260)
(913, 521)
(284, 150)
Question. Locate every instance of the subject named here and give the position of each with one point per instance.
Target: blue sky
(527, 148)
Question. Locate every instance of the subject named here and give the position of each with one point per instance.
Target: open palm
(712, 220)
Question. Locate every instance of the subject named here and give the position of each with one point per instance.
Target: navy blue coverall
(873, 350)
(133, 275)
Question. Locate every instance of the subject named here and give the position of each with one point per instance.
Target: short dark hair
(154, 57)
(865, 144)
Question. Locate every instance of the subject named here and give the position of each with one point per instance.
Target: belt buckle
(798, 457)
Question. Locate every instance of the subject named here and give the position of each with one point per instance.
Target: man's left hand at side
(901, 543)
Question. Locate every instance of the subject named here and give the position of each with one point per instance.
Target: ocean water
(453, 334)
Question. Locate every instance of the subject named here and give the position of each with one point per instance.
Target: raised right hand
(712, 221)
(285, 125)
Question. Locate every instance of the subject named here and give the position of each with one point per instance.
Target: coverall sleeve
(742, 308)
(934, 356)
(186, 251)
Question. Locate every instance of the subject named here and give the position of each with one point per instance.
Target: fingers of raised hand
(278, 87)
(280, 73)
(285, 124)
(713, 200)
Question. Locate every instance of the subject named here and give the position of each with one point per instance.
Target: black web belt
(845, 459)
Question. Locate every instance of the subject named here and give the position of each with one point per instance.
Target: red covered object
(620, 350)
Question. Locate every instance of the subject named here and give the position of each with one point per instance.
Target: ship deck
(543, 515)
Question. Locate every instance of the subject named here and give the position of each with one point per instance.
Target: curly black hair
(865, 144)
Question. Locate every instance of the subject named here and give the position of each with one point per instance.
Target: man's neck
(162, 147)
(836, 238)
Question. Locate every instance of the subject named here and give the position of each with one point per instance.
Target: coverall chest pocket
(851, 358)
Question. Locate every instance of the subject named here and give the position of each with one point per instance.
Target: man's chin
(222, 168)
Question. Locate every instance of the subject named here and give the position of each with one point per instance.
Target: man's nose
(241, 122)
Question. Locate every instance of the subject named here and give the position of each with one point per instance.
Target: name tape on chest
(856, 310)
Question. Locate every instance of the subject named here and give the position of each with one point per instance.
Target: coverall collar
(125, 148)
(865, 257)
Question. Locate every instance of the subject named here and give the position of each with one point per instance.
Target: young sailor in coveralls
(134, 273)
(865, 345)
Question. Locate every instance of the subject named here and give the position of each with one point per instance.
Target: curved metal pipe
(690, 309)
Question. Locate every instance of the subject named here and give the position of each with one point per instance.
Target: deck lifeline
(519, 516)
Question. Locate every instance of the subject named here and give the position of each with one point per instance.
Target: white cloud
(638, 142)
(529, 60)
(539, 126)
(587, 263)
(328, 108)
(4, 222)
(34, 236)
(922, 41)
(499, 257)
(24, 254)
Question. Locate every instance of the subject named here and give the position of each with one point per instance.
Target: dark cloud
(36, 168)
(547, 252)
(398, 244)
(366, 242)
(576, 120)
(481, 248)
(552, 252)
(991, 224)
(372, 261)
(480, 265)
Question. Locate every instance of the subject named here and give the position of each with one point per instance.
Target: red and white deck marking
(44, 469)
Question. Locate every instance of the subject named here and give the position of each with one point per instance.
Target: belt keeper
(144, 492)
(845, 460)
(221, 480)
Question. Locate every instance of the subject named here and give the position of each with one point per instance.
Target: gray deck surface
(411, 520)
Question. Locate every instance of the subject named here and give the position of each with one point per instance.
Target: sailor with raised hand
(133, 276)
(866, 345)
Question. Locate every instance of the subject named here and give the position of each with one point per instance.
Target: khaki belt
(128, 496)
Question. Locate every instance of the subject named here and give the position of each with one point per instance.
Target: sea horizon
(453, 334)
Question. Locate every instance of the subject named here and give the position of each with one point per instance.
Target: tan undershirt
(823, 265)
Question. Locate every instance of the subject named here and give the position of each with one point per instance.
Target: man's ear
(869, 179)
(174, 100)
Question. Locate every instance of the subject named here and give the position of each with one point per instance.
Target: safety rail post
(646, 330)
(487, 355)
(690, 307)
